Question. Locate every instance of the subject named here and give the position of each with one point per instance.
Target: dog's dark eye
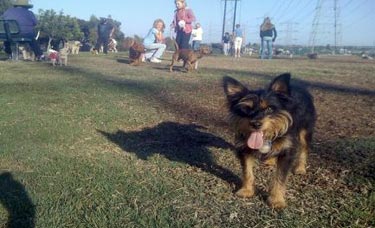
(268, 110)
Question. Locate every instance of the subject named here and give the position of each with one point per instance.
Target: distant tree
(4, 5)
(58, 26)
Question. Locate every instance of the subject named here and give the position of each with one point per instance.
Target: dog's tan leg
(276, 198)
(190, 66)
(171, 66)
(300, 165)
(248, 179)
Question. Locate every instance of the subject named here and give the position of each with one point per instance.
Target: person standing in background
(226, 43)
(182, 24)
(268, 35)
(237, 41)
(105, 32)
(197, 35)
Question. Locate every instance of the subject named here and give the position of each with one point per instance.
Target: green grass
(102, 144)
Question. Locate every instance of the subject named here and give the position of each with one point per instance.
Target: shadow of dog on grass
(187, 143)
(15, 199)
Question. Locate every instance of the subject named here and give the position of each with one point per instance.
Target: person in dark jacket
(105, 32)
(27, 22)
(226, 43)
(268, 35)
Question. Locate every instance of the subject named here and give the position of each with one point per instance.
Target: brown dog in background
(189, 57)
(136, 51)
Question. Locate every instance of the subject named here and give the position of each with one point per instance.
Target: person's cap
(22, 3)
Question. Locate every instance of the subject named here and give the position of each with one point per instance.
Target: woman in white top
(197, 35)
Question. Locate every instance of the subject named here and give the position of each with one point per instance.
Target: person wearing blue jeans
(154, 42)
(266, 47)
(268, 35)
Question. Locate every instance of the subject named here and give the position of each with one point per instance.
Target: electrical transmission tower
(289, 31)
(337, 25)
(315, 25)
(230, 13)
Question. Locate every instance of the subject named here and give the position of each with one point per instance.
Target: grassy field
(100, 143)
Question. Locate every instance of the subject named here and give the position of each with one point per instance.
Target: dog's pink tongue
(255, 140)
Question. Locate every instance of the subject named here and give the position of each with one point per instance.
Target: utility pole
(224, 18)
(228, 18)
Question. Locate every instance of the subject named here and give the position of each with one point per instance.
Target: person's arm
(112, 32)
(274, 34)
(159, 37)
(190, 18)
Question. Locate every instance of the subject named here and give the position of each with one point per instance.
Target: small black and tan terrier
(272, 124)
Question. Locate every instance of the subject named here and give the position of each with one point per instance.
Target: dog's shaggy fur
(274, 123)
(63, 56)
(27, 52)
(136, 51)
(189, 57)
(74, 46)
(60, 57)
(112, 45)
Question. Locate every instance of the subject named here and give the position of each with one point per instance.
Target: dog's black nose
(256, 124)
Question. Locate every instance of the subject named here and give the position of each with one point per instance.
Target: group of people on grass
(154, 41)
(267, 34)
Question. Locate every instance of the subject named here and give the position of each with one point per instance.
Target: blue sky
(293, 18)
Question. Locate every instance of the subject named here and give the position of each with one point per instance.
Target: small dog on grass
(27, 52)
(189, 57)
(63, 56)
(136, 51)
(60, 57)
(274, 123)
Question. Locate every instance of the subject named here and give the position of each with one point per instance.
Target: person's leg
(149, 53)
(155, 50)
(160, 50)
(105, 45)
(36, 48)
(99, 43)
(7, 48)
(270, 49)
(196, 45)
(263, 49)
(235, 48)
(185, 40)
(225, 48)
(239, 47)
(179, 38)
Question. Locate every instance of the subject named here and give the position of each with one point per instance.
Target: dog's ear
(281, 84)
(234, 89)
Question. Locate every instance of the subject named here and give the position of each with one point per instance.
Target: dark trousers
(102, 41)
(182, 39)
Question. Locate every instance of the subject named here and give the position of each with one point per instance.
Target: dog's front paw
(245, 192)
(300, 170)
(276, 202)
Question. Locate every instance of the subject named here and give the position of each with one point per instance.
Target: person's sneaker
(155, 60)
